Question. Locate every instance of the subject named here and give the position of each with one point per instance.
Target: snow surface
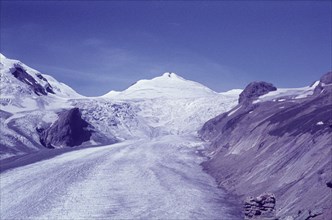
(141, 179)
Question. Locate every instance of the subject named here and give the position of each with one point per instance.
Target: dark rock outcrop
(262, 206)
(20, 74)
(254, 90)
(69, 130)
(329, 184)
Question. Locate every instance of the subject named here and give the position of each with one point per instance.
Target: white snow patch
(233, 111)
(283, 94)
(315, 84)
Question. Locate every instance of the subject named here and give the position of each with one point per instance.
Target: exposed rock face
(326, 78)
(262, 206)
(308, 214)
(280, 145)
(254, 90)
(69, 130)
(329, 184)
(19, 73)
(324, 84)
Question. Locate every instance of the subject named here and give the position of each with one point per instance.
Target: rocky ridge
(279, 142)
(254, 90)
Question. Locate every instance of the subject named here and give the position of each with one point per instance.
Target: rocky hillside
(277, 141)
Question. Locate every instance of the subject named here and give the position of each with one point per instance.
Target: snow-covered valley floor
(156, 178)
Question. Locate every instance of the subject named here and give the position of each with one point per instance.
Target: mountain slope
(278, 142)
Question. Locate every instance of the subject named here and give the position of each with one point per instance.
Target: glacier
(152, 172)
(137, 179)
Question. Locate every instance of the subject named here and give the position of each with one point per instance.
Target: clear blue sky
(98, 46)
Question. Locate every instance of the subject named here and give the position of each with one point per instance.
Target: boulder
(329, 184)
(254, 90)
(262, 206)
(69, 130)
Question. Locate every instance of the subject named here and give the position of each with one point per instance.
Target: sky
(98, 46)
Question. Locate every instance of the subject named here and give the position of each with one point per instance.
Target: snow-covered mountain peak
(25, 88)
(168, 85)
(171, 75)
(4, 61)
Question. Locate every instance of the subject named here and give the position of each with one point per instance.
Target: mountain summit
(171, 75)
(168, 85)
